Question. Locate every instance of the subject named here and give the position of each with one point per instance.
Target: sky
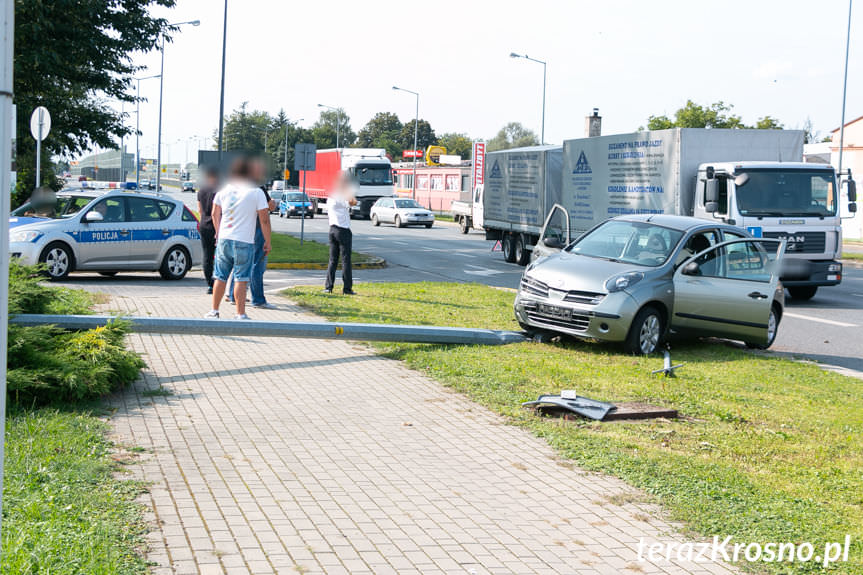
(630, 59)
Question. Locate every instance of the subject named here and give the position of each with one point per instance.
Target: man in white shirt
(237, 208)
(339, 210)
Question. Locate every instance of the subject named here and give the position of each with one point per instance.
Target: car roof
(682, 223)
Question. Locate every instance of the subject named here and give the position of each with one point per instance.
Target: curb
(373, 264)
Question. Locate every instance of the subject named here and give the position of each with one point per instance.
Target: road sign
(304, 157)
(40, 123)
(287, 174)
(412, 154)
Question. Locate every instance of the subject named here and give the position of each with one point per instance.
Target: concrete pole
(222, 96)
(844, 91)
(159, 137)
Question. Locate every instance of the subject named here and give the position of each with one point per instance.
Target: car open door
(555, 233)
(728, 291)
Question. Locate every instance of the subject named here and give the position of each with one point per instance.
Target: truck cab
(793, 201)
(372, 172)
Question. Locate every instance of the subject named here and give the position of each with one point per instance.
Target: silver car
(401, 212)
(637, 279)
(115, 231)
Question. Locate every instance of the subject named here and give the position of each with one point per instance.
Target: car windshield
(296, 197)
(407, 204)
(64, 207)
(787, 193)
(640, 243)
(374, 175)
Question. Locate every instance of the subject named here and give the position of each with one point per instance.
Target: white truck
(370, 168)
(749, 178)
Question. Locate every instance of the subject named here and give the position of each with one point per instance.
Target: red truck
(369, 167)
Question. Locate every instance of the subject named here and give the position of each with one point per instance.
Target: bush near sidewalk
(65, 511)
(766, 449)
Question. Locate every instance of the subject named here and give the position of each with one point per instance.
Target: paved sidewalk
(297, 456)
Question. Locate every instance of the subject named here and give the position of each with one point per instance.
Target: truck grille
(801, 242)
(557, 317)
(534, 287)
(584, 297)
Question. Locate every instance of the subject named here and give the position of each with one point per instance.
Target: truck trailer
(752, 179)
(369, 167)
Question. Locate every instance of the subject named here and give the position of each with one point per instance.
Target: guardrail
(305, 330)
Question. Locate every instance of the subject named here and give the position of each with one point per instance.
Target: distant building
(437, 186)
(109, 166)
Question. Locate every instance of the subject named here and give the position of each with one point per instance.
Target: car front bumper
(419, 219)
(607, 321)
(26, 252)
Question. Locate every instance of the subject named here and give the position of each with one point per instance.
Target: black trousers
(340, 243)
(208, 242)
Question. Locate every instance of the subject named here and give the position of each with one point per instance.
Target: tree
(810, 135)
(247, 131)
(768, 123)
(513, 135)
(324, 132)
(383, 124)
(458, 144)
(72, 58)
(425, 135)
(716, 115)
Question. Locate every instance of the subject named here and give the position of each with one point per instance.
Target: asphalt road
(827, 328)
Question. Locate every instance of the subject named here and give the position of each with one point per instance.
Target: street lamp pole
(338, 119)
(416, 134)
(526, 57)
(844, 90)
(222, 93)
(138, 130)
(161, 91)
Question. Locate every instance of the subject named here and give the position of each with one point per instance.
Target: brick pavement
(297, 456)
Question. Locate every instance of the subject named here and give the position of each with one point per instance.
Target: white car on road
(115, 231)
(401, 212)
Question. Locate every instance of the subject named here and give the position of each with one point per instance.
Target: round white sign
(43, 117)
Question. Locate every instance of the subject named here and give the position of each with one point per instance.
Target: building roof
(854, 121)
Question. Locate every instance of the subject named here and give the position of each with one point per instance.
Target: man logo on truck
(581, 166)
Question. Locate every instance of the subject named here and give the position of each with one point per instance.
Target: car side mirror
(711, 207)
(852, 191)
(691, 269)
(553, 243)
(852, 207)
(94, 216)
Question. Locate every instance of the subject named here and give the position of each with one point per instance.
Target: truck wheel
(398, 222)
(803, 293)
(522, 256)
(58, 260)
(507, 244)
(645, 333)
(375, 220)
(464, 224)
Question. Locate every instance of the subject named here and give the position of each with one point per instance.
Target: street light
(416, 133)
(138, 129)
(844, 91)
(161, 88)
(222, 90)
(526, 57)
(338, 119)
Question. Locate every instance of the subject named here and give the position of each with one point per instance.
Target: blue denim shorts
(236, 256)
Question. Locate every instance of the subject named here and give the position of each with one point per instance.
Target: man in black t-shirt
(206, 227)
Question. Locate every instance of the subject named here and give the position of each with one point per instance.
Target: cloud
(772, 69)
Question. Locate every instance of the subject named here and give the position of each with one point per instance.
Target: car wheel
(58, 260)
(507, 246)
(312, 215)
(646, 331)
(803, 293)
(522, 256)
(176, 264)
(108, 274)
(463, 224)
(375, 220)
(398, 222)
(772, 330)
(428, 226)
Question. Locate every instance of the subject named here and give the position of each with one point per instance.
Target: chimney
(593, 125)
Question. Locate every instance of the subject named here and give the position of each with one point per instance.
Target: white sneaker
(241, 316)
(212, 314)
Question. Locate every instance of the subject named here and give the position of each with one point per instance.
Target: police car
(115, 231)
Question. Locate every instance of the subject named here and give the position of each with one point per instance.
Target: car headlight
(623, 281)
(24, 236)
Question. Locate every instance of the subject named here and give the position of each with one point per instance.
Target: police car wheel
(176, 264)
(58, 260)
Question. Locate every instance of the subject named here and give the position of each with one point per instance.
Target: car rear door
(555, 233)
(728, 290)
(105, 243)
(149, 228)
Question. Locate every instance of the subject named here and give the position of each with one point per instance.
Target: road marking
(481, 271)
(820, 320)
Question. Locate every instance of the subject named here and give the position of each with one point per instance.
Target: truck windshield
(374, 175)
(641, 243)
(787, 193)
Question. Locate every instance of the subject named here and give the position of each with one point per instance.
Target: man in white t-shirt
(339, 205)
(237, 208)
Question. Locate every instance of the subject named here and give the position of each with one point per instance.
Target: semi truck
(368, 167)
(752, 179)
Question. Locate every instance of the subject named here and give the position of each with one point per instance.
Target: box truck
(752, 179)
(369, 167)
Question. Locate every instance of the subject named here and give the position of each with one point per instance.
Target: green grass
(443, 217)
(287, 250)
(852, 255)
(765, 450)
(64, 511)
